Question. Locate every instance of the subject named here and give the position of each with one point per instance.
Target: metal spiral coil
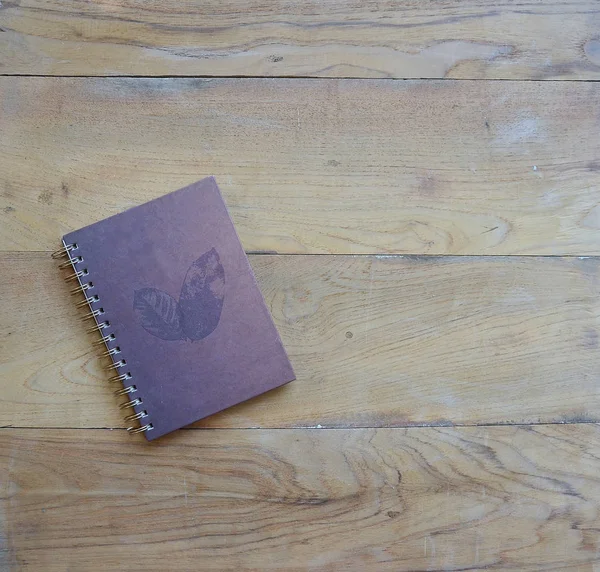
(87, 301)
(64, 251)
(131, 403)
(79, 275)
(111, 352)
(133, 430)
(119, 377)
(136, 416)
(125, 390)
(92, 314)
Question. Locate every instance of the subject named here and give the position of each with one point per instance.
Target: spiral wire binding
(111, 352)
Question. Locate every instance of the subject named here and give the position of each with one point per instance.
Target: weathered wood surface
(311, 166)
(380, 343)
(475, 39)
(480, 498)
(375, 341)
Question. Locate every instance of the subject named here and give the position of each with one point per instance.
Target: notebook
(169, 288)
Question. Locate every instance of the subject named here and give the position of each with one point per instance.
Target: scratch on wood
(490, 230)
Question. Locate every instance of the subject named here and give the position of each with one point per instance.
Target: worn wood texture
(408, 39)
(375, 341)
(314, 166)
(494, 498)
(330, 472)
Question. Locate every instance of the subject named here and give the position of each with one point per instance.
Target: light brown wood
(315, 166)
(375, 341)
(407, 39)
(330, 473)
(501, 498)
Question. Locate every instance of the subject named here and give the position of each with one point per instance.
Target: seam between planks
(300, 77)
(370, 254)
(323, 428)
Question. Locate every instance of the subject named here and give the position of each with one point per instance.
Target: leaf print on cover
(198, 311)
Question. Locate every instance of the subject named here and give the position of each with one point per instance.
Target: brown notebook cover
(175, 296)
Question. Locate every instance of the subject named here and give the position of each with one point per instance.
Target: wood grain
(375, 341)
(494, 498)
(408, 39)
(312, 166)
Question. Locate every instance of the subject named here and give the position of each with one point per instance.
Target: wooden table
(418, 186)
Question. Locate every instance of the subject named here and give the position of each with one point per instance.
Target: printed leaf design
(158, 313)
(202, 293)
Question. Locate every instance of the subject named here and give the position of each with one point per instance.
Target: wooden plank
(375, 341)
(406, 39)
(501, 498)
(313, 166)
